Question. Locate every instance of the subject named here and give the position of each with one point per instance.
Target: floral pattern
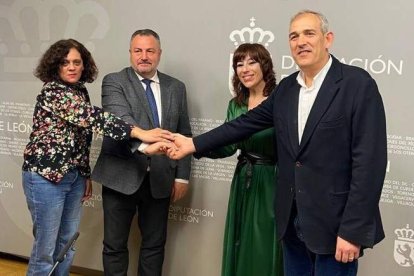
(63, 122)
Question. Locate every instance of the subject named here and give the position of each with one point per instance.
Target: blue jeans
(56, 212)
(298, 260)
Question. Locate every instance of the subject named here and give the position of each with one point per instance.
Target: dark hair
(146, 32)
(48, 68)
(259, 53)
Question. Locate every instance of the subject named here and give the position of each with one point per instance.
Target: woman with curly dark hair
(56, 160)
(250, 246)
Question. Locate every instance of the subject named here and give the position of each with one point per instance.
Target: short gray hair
(322, 18)
(146, 32)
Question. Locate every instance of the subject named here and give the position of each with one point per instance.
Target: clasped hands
(161, 141)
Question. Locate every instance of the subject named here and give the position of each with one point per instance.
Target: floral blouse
(63, 121)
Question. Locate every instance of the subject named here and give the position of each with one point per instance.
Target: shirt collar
(154, 78)
(318, 79)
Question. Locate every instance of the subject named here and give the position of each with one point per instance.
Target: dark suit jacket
(121, 168)
(337, 171)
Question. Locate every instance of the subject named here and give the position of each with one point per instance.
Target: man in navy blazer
(330, 129)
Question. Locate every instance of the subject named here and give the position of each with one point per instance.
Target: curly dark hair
(258, 53)
(48, 68)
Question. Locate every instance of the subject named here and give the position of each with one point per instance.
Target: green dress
(250, 246)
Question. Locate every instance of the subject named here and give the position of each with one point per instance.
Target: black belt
(250, 159)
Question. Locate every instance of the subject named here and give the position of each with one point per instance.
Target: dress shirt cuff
(142, 147)
(180, 180)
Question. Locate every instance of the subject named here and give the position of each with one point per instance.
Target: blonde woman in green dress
(250, 246)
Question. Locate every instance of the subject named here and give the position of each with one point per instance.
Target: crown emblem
(405, 234)
(30, 27)
(252, 34)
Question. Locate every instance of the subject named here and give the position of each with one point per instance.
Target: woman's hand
(88, 190)
(152, 135)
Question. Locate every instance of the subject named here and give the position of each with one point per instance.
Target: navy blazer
(336, 173)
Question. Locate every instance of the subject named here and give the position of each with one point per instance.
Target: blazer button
(298, 164)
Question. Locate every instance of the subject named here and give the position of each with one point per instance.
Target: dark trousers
(119, 210)
(298, 260)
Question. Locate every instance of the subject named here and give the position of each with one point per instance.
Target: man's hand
(346, 251)
(158, 148)
(183, 147)
(178, 191)
(152, 135)
(88, 190)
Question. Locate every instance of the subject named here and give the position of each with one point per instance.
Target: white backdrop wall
(197, 42)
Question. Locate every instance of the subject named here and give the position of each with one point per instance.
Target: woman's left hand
(88, 190)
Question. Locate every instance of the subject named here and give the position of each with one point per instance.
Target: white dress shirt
(307, 95)
(155, 86)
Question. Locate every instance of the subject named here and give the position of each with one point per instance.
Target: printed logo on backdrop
(375, 66)
(27, 29)
(250, 34)
(5, 186)
(31, 26)
(404, 246)
(189, 214)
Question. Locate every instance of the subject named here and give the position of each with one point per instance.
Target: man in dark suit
(132, 181)
(331, 145)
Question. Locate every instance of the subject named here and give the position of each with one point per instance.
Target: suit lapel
(142, 101)
(293, 102)
(165, 98)
(323, 100)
